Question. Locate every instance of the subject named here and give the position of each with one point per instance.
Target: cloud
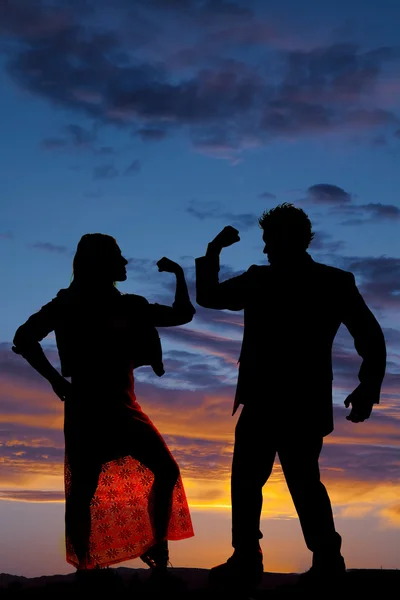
(151, 134)
(374, 212)
(49, 247)
(229, 322)
(133, 75)
(105, 150)
(267, 196)
(19, 18)
(208, 9)
(133, 168)
(81, 136)
(379, 141)
(327, 193)
(76, 137)
(340, 202)
(32, 496)
(23, 453)
(324, 242)
(212, 210)
(368, 454)
(211, 344)
(53, 143)
(107, 171)
(378, 278)
(190, 370)
(140, 265)
(392, 513)
(191, 406)
(217, 141)
(392, 336)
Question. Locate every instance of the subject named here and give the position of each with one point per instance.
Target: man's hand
(61, 387)
(362, 400)
(165, 264)
(228, 236)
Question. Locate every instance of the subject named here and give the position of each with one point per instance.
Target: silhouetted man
(293, 308)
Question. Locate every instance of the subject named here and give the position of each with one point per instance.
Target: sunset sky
(159, 122)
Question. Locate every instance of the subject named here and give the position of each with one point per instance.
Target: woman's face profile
(118, 265)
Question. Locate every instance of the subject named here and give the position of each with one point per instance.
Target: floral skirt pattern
(121, 525)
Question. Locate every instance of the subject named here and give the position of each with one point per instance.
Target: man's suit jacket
(291, 318)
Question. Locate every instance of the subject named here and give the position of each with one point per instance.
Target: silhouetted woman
(124, 493)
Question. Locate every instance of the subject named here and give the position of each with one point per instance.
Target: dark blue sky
(159, 122)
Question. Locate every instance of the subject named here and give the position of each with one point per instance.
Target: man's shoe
(243, 571)
(324, 575)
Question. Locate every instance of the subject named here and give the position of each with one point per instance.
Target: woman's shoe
(161, 578)
(157, 555)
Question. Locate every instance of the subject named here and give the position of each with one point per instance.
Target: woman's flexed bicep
(162, 315)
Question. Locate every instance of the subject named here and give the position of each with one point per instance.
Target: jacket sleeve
(36, 328)
(211, 293)
(368, 337)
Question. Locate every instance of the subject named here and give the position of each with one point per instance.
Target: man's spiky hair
(288, 219)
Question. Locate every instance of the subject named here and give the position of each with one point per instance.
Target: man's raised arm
(210, 293)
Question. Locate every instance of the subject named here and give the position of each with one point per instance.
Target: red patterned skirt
(108, 476)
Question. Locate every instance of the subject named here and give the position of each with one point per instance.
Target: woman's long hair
(94, 253)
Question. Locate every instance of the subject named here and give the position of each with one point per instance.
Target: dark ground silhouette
(131, 583)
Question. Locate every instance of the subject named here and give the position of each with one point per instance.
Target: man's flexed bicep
(210, 293)
(368, 337)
